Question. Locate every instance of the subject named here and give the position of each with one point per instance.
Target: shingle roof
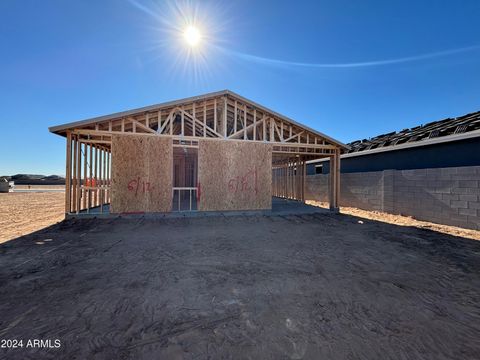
(435, 129)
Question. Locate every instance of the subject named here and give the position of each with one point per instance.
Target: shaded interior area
(185, 179)
(279, 206)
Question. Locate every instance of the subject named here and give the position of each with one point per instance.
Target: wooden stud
(272, 135)
(97, 176)
(244, 121)
(235, 118)
(225, 111)
(159, 120)
(254, 124)
(264, 128)
(68, 173)
(204, 119)
(193, 123)
(84, 194)
(79, 175)
(74, 178)
(90, 177)
(183, 122)
(215, 115)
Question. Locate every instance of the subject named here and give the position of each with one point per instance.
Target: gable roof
(61, 129)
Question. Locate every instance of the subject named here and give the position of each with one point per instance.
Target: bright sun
(192, 36)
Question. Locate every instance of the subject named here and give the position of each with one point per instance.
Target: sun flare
(192, 36)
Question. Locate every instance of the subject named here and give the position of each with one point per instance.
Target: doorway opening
(185, 179)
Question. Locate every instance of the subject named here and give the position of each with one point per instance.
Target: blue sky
(69, 60)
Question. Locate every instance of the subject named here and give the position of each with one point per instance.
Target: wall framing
(222, 116)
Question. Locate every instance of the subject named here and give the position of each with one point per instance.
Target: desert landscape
(26, 212)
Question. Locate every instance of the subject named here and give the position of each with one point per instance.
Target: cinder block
(467, 169)
(475, 191)
(474, 219)
(448, 171)
(474, 204)
(447, 210)
(465, 177)
(460, 190)
(468, 183)
(468, 197)
(471, 212)
(450, 197)
(459, 223)
(459, 204)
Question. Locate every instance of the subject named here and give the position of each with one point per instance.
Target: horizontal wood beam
(178, 137)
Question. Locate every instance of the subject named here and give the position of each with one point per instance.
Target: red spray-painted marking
(244, 183)
(137, 185)
(199, 191)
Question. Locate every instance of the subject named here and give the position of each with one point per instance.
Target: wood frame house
(214, 152)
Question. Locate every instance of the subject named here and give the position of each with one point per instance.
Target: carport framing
(222, 116)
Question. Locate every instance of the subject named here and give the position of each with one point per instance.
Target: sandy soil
(404, 221)
(39, 187)
(23, 213)
(277, 287)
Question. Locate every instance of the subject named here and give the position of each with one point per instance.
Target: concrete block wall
(316, 187)
(445, 195)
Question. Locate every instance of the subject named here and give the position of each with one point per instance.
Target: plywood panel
(234, 175)
(141, 174)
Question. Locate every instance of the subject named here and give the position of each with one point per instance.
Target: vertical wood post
(254, 124)
(95, 197)
(183, 121)
(79, 174)
(335, 180)
(193, 120)
(244, 122)
(225, 105)
(84, 194)
(68, 173)
(204, 119)
(215, 115)
(74, 176)
(90, 177)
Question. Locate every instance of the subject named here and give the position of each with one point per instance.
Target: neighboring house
(430, 172)
(444, 143)
(4, 185)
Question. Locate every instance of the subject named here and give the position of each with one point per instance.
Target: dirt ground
(266, 287)
(25, 212)
(403, 221)
(22, 213)
(39, 187)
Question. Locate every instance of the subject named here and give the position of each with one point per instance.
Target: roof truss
(218, 116)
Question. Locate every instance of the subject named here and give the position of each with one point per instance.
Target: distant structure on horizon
(29, 179)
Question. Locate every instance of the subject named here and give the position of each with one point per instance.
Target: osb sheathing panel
(234, 175)
(141, 174)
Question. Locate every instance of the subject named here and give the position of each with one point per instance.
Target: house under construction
(214, 152)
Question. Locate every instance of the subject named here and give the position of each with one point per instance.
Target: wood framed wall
(288, 178)
(88, 175)
(223, 116)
